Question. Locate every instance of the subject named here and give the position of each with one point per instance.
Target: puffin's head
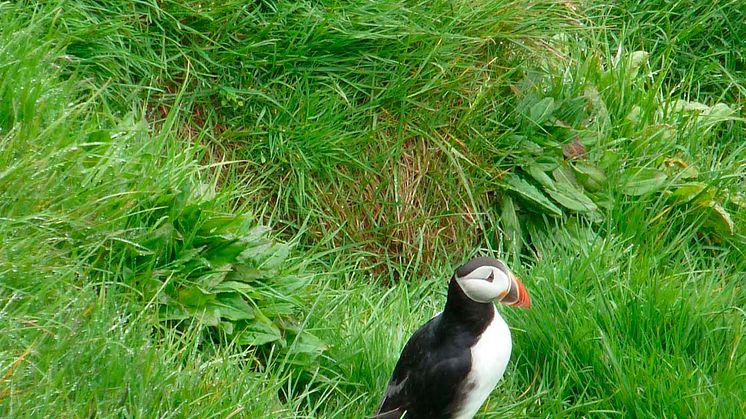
(486, 279)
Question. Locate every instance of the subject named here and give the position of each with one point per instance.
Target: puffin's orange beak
(517, 296)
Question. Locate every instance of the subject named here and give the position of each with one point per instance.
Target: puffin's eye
(491, 277)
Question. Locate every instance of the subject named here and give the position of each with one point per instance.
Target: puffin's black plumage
(429, 381)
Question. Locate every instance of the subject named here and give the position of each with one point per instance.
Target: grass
(143, 145)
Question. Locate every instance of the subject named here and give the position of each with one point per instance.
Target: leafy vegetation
(574, 136)
(219, 209)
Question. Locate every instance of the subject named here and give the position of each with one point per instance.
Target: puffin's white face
(485, 280)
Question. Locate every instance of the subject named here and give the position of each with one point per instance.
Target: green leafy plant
(568, 162)
(198, 264)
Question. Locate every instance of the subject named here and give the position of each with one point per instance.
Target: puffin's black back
(427, 380)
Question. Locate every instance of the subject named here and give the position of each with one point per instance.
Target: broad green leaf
(710, 115)
(529, 192)
(257, 337)
(219, 254)
(160, 239)
(591, 177)
(716, 114)
(511, 225)
(216, 225)
(600, 111)
(542, 111)
(278, 309)
(204, 191)
(691, 106)
(634, 115)
(589, 137)
(244, 273)
(545, 163)
(255, 233)
(209, 316)
(191, 261)
(563, 174)
(278, 256)
(572, 198)
(227, 327)
(210, 280)
(610, 159)
(689, 191)
(291, 283)
(233, 307)
(258, 332)
(188, 256)
(540, 176)
(235, 227)
(665, 133)
(258, 252)
(172, 312)
(642, 180)
(720, 112)
(99, 136)
(718, 218)
(307, 343)
(242, 288)
(603, 200)
(193, 297)
(531, 146)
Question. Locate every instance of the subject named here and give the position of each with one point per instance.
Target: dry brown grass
(408, 211)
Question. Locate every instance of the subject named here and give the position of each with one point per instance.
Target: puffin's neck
(464, 311)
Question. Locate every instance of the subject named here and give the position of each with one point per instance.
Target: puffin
(452, 363)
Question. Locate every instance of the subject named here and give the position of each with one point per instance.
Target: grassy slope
(396, 125)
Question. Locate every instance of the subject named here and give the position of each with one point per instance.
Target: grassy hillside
(244, 209)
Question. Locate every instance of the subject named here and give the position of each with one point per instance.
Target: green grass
(143, 145)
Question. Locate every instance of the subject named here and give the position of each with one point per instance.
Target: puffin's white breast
(489, 358)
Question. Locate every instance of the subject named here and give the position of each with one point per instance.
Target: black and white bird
(452, 363)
